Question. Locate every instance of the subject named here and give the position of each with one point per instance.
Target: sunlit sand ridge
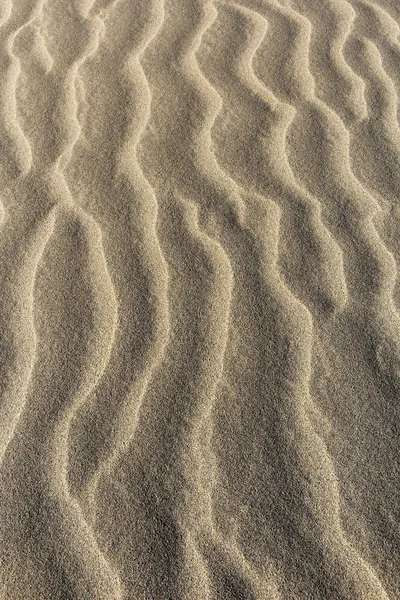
(200, 330)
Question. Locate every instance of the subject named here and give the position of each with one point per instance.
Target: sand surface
(199, 309)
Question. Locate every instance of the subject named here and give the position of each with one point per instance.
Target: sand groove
(200, 356)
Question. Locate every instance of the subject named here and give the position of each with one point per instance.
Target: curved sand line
(15, 148)
(265, 167)
(370, 274)
(51, 403)
(17, 323)
(200, 184)
(377, 137)
(336, 84)
(199, 369)
(334, 101)
(133, 359)
(373, 587)
(65, 512)
(374, 23)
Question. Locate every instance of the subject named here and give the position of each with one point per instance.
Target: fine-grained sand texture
(199, 310)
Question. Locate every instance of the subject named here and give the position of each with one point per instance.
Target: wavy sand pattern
(200, 328)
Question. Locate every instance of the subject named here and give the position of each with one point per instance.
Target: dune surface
(199, 317)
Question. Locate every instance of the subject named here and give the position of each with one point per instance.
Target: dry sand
(199, 315)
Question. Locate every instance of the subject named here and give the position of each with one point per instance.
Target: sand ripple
(199, 242)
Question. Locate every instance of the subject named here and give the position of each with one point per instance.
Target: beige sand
(200, 330)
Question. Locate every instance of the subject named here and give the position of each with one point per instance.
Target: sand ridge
(200, 356)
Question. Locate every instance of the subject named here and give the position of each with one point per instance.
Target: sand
(199, 310)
